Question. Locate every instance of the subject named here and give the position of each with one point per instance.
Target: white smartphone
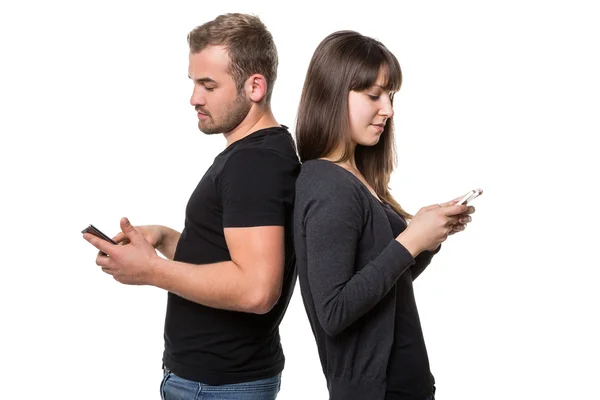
(470, 196)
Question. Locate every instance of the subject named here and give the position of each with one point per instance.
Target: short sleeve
(257, 188)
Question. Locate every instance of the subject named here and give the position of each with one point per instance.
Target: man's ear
(256, 87)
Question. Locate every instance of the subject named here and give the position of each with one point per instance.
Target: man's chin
(208, 131)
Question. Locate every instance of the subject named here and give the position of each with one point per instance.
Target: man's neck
(253, 122)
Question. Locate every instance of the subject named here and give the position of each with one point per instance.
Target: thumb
(451, 202)
(129, 230)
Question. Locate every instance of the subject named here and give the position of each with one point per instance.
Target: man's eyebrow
(204, 80)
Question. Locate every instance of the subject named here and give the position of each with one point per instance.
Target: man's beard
(234, 115)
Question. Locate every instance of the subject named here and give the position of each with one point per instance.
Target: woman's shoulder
(323, 171)
(324, 179)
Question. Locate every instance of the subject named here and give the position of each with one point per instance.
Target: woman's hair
(347, 61)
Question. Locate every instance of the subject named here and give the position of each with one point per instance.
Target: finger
(98, 243)
(132, 234)
(465, 219)
(457, 228)
(470, 210)
(100, 254)
(451, 202)
(455, 209)
(121, 237)
(452, 220)
(102, 260)
(460, 227)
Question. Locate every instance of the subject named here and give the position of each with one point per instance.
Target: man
(231, 271)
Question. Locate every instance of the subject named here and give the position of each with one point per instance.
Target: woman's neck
(336, 155)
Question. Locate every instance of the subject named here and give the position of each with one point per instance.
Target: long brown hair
(347, 61)
(250, 46)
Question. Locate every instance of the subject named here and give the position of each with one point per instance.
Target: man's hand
(160, 237)
(152, 233)
(132, 264)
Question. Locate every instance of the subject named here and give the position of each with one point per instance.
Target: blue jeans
(432, 395)
(174, 387)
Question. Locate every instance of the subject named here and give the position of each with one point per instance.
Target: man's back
(251, 183)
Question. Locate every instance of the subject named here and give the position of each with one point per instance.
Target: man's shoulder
(277, 140)
(271, 146)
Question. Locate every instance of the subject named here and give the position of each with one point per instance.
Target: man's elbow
(263, 300)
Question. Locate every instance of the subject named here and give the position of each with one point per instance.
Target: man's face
(219, 106)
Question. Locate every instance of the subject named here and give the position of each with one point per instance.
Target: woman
(356, 256)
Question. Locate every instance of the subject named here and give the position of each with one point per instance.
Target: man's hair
(250, 46)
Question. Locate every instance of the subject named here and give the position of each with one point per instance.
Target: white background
(96, 125)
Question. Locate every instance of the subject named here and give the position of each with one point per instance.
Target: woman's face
(369, 111)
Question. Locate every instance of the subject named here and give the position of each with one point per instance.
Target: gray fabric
(348, 261)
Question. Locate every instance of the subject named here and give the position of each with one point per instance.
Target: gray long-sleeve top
(348, 263)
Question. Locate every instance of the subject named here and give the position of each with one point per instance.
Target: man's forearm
(168, 243)
(221, 285)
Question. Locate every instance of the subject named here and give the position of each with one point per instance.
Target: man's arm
(256, 189)
(168, 242)
(250, 282)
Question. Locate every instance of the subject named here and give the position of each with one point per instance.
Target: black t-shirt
(408, 375)
(251, 183)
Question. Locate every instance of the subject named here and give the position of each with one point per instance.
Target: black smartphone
(96, 232)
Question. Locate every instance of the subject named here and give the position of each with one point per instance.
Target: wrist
(434, 249)
(408, 241)
(160, 240)
(155, 269)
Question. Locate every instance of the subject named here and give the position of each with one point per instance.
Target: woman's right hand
(430, 226)
(152, 233)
